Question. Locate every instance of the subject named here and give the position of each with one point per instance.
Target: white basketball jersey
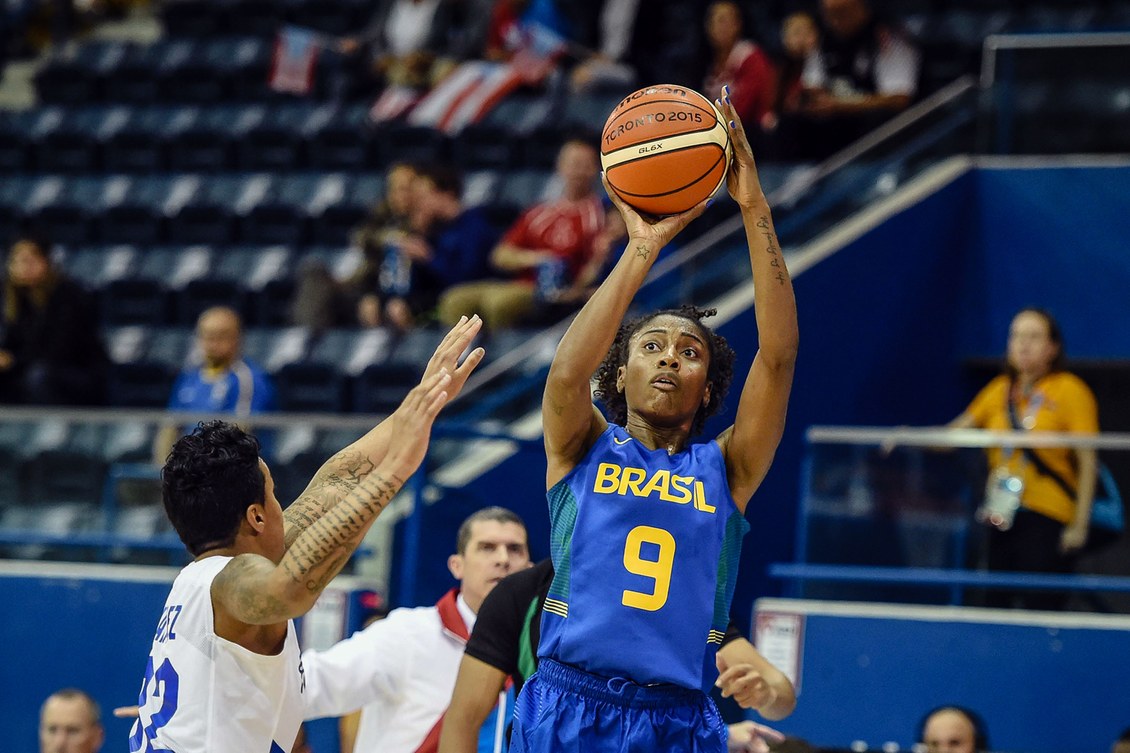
(205, 694)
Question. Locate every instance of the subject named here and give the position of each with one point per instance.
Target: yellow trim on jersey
(715, 636)
(553, 606)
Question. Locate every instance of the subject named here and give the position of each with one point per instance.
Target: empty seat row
(207, 18)
(259, 208)
(287, 136)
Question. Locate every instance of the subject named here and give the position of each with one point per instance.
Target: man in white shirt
(401, 670)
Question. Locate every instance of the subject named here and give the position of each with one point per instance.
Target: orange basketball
(664, 149)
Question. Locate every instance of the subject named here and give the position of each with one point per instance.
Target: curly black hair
(209, 479)
(720, 372)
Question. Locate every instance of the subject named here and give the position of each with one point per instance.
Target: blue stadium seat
(399, 142)
(308, 386)
(203, 223)
(274, 348)
(200, 149)
(63, 223)
(171, 346)
(139, 384)
(130, 223)
(342, 142)
(97, 266)
(133, 300)
(15, 148)
(264, 275)
(134, 150)
(203, 293)
(275, 222)
(485, 146)
(191, 18)
(67, 151)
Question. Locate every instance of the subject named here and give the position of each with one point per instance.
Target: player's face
(948, 732)
(1030, 346)
(494, 551)
(274, 539)
(66, 726)
(665, 380)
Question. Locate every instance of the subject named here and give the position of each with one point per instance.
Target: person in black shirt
(504, 643)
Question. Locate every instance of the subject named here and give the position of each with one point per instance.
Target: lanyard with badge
(1005, 489)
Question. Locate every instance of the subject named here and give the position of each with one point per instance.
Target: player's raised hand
(651, 232)
(742, 180)
(447, 354)
(412, 423)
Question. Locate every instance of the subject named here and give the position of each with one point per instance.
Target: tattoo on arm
(338, 477)
(642, 251)
(333, 536)
(771, 248)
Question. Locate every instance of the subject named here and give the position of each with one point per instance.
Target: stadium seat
(133, 300)
(67, 151)
(275, 222)
(199, 149)
(204, 293)
(398, 142)
(335, 224)
(133, 150)
(15, 149)
(63, 223)
(130, 223)
(140, 384)
(274, 348)
(203, 223)
(485, 146)
(309, 386)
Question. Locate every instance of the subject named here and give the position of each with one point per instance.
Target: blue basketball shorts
(565, 710)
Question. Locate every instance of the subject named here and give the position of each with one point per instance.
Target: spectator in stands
(70, 721)
(953, 729)
(1122, 744)
(741, 64)
(866, 70)
(401, 670)
(224, 382)
(448, 244)
(800, 40)
(51, 352)
(415, 43)
(1038, 501)
(321, 302)
(547, 252)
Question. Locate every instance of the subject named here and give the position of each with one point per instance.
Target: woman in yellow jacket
(1038, 501)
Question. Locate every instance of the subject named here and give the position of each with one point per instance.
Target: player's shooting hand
(127, 712)
(750, 737)
(742, 180)
(647, 234)
(746, 685)
(447, 354)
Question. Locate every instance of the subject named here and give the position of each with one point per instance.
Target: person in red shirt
(740, 63)
(546, 253)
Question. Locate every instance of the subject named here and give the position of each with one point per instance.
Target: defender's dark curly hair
(720, 372)
(210, 478)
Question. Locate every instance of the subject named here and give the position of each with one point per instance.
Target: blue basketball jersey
(645, 547)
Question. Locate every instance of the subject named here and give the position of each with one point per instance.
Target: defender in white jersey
(224, 673)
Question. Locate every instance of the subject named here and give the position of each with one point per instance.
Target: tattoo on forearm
(557, 408)
(336, 533)
(642, 251)
(771, 248)
(340, 476)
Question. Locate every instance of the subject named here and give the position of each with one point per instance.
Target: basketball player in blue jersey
(224, 673)
(646, 526)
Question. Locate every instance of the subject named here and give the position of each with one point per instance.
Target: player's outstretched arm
(476, 694)
(342, 473)
(749, 678)
(570, 421)
(256, 591)
(750, 444)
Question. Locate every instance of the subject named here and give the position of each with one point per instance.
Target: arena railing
(889, 514)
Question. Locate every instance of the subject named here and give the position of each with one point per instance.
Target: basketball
(664, 149)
